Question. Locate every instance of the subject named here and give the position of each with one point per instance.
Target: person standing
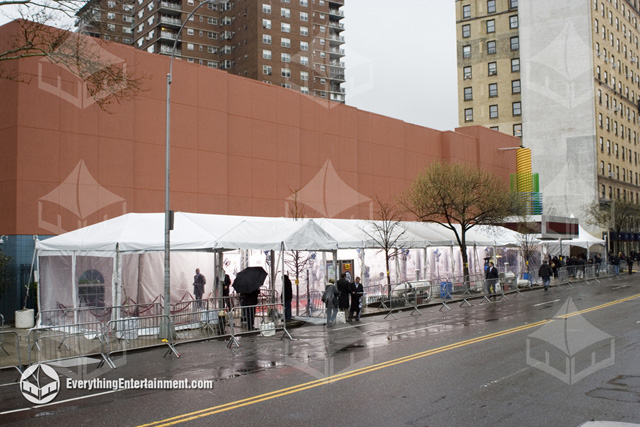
(330, 299)
(492, 279)
(343, 293)
(288, 296)
(545, 272)
(249, 302)
(198, 287)
(356, 290)
(226, 286)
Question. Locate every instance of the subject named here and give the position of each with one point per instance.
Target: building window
(515, 43)
(491, 47)
(284, 42)
(513, 4)
(466, 73)
(285, 72)
(517, 109)
(491, 6)
(285, 13)
(493, 111)
(466, 51)
(285, 27)
(304, 31)
(266, 39)
(285, 57)
(189, 46)
(517, 130)
(493, 90)
(304, 76)
(601, 144)
(466, 11)
(515, 86)
(468, 114)
(493, 68)
(266, 8)
(513, 21)
(266, 69)
(304, 46)
(266, 23)
(496, 128)
(466, 31)
(602, 167)
(286, 85)
(304, 3)
(515, 65)
(266, 54)
(190, 31)
(304, 60)
(491, 26)
(600, 120)
(304, 16)
(608, 147)
(468, 94)
(304, 90)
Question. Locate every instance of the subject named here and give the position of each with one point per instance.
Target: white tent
(584, 240)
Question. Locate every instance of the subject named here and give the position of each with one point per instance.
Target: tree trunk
(465, 267)
(386, 256)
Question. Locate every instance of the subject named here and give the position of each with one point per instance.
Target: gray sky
(401, 59)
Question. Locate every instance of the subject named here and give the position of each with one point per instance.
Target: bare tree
(386, 233)
(614, 215)
(42, 32)
(459, 197)
(296, 260)
(528, 242)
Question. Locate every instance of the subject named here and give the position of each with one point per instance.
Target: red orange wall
(238, 147)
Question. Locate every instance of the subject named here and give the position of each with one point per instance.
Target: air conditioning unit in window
(467, 77)
(493, 72)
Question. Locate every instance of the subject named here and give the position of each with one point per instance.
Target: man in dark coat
(545, 272)
(492, 278)
(288, 296)
(356, 290)
(249, 301)
(198, 287)
(226, 285)
(330, 299)
(343, 293)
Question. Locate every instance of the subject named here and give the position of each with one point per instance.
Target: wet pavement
(479, 365)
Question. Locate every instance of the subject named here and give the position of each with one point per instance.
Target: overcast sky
(401, 59)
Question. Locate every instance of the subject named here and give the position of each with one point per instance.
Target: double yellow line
(339, 377)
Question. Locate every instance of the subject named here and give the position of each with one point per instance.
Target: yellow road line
(598, 307)
(339, 377)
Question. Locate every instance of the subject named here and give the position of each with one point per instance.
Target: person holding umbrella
(247, 284)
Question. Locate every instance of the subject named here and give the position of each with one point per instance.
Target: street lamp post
(167, 328)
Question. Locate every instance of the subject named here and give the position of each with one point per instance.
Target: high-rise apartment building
(295, 44)
(565, 76)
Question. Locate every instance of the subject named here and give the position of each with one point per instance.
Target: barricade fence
(10, 347)
(60, 342)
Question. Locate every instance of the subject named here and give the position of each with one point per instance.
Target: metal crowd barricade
(19, 363)
(46, 343)
(131, 333)
(590, 274)
(563, 277)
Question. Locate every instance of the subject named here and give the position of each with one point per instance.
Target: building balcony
(167, 35)
(339, 76)
(338, 26)
(168, 7)
(170, 21)
(336, 40)
(334, 51)
(337, 90)
(336, 13)
(335, 3)
(337, 97)
(337, 64)
(166, 50)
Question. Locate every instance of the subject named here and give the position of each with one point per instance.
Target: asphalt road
(557, 358)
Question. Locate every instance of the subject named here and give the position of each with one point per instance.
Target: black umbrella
(249, 279)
